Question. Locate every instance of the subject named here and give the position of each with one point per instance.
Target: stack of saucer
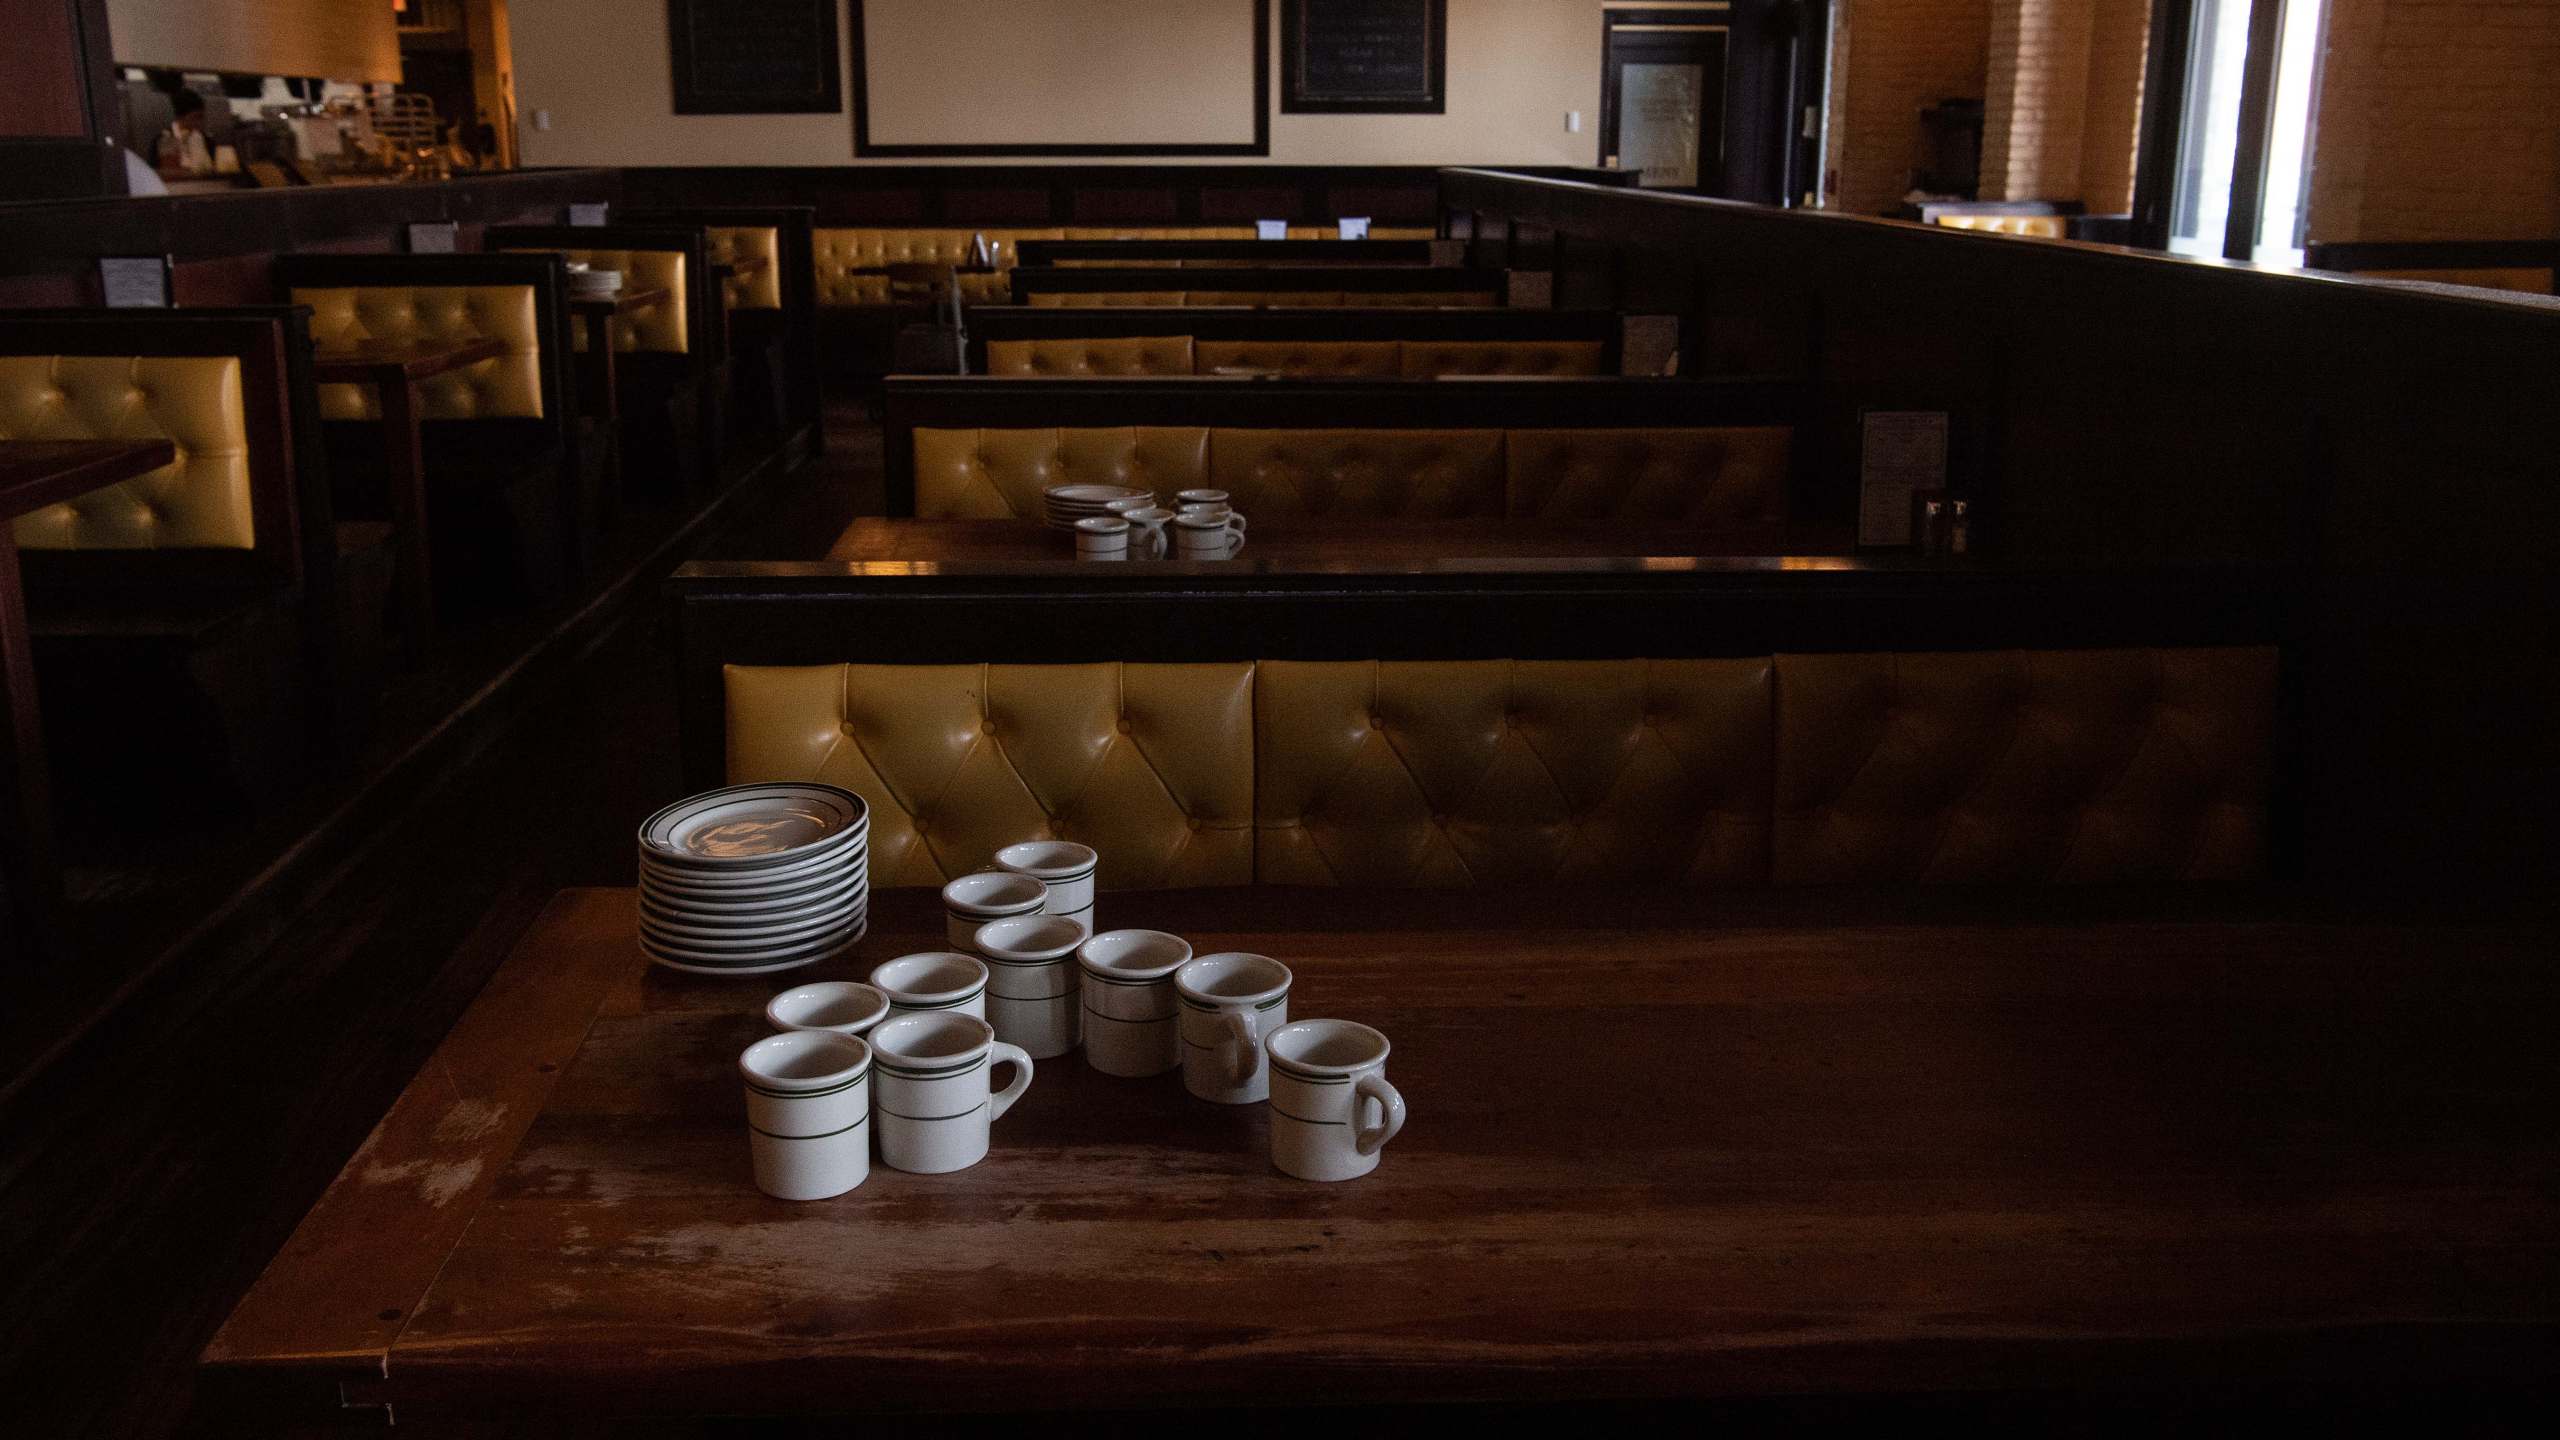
(592, 283)
(755, 878)
(1067, 504)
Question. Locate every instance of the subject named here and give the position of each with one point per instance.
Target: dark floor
(146, 1177)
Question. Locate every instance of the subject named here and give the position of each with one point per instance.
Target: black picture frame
(692, 98)
(1260, 144)
(1298, 98)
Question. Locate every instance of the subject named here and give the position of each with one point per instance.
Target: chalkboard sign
(1364, 57)
(755, 57)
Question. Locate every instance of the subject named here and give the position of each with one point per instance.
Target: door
(1662, 99)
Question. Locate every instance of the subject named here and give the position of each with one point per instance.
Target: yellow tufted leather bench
(1118, 298)
(1116, 355)
(2001, 767)
(851, 259)
(505, 385)
(991, 474)
(1379, 358)
(1183, 355)
(659, 329)
(2048, 766)
(733, 244)
(201, 500)
(1431, 358)
(1408, 474)
(1496, 772)
(1734, 474)
(1152, 765)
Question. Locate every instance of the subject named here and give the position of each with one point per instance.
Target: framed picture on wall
(755, 57)
(1364, 57)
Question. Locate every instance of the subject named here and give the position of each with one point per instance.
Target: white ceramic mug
(1125, 508)
(1062, 865)
(1229, 1002)
(1184, 498)
(1102, 537)
(808, 1113)
(933, 980)
(936, 1089)
(1147, 537)
(842, 1007)
(973, 900)
(1031, 986)
(1199, 536)
(1132, 1016)
(1327, 1076)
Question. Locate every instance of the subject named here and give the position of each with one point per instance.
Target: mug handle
(1156, 544)
(1390, 1103)
(1242, 1046)
(1021, 1078)
(1235, 532)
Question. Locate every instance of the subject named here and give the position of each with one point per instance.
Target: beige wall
(600, 67)
(2037, 100)
(333, 39)
(2438, 121)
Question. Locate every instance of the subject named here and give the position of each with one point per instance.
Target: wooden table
(1659, 1146)
(1280, 543)
(395, 370)
(35, 474)
(597, 313)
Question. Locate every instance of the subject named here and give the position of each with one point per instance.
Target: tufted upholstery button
(987, 726)
(1377, 721)
(1124, 725)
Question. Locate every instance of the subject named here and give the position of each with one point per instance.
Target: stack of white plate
(755, 878)
(1067, 504)
(595, 282)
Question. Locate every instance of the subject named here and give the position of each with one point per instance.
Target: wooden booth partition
(1330, 285)
(2119, 407)
(772, 305)
(1458, 330)
(1446, 447)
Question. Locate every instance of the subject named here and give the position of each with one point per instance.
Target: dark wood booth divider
(993, 323)
(1408, 285)
(2118, 407)
(1000, 403)
(1208, 254)
(783, 338)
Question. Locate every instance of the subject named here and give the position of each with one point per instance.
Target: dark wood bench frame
(2350, 257)
(1597, 402)
(1037, 253)
(1037, 279)
(795, 227)
(1318, 323)
(702, 375)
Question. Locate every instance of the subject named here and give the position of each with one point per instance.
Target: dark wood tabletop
(630, 300)
(1658, 1146)
(1278, 542)
(38, 473)
(379, 362)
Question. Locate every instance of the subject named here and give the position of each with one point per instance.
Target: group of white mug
(1201, 526)
(1028, 978)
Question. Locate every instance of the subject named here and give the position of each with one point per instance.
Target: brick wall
(2039, 82)
(2439, 120)
(2119, 47)
(1890, 60)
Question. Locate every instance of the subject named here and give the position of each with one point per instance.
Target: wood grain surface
(1658, 1147)
(1305, 543)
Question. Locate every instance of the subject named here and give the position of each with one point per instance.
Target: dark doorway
(1662, 96)
(1709, 96)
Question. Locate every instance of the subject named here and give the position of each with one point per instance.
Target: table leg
(408, 475)
(30, 873)
(604, 405)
